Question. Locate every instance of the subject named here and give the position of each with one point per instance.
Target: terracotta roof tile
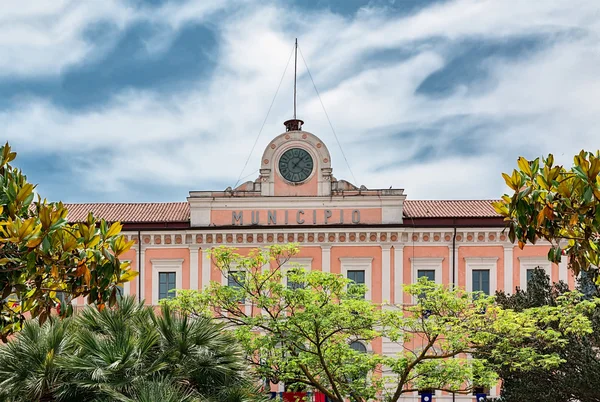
(449, 209)
(132, 212)
(180, 211)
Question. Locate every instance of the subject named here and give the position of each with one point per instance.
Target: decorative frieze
(261, 236)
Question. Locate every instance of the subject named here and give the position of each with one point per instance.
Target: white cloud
(205, 133)
(43, 38)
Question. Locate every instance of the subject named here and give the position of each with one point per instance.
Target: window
(359, 270)
(426, 266)
(481, 274)
(358, 346)
(236, 279)
(166, 283)
(295, 265)
(481, 280)
(164, 266)
(428, 273)
(294, 285)
(357, 276)
(530, 274)
(527, 264)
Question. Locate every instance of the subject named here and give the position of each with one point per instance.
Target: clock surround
(296, 165)
(272, 183)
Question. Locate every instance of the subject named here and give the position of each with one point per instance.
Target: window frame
(417, 276)
(239, 285)
(165, 265)
(298, 262)
(359, 343)
(233, 267)
(168, 293)
(364, 274)
(526, 263)
(426, 264)
(358, 264)
(481, 263)
(481, 272)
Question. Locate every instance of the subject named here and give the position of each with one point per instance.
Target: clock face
(295, 165)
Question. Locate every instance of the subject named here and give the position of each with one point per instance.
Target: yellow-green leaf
(500, 208)
(524, 166)
(509, 181)
(127, 276)
(114, 229)
(33, 243)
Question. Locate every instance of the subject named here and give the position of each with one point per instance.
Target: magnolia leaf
(500, 208)
(127, 276)
(112, 300)
(34, 242)
(574, 219)
(540, 217)
(54, 271)
(115, 229)
(94, 241)
(25, 191)
(542, 182)
(120, 246)
(524, 166)
(509, 181)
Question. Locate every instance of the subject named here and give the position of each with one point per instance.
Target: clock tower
(296, 188)
(296, 163)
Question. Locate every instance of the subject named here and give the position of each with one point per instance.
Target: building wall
(390, 259)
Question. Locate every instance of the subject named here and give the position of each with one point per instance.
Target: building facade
(378, 236)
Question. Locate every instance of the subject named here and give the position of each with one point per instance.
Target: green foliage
(557, 204)
(301, 335)
(125, 354)
(576, 377)
(42, 256)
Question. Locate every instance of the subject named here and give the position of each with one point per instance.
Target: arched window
(358, 346)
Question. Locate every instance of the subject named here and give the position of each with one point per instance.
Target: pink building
(377, 236)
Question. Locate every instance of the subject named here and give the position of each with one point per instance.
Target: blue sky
(147, 100)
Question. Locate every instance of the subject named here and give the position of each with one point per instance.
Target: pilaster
(206, 267)
(508, 269)
(398, 272)
(386, 273)
(194, 266)
(326, 257)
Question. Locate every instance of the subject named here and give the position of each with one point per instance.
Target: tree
(125, 354)
(42, 257)
(557, 204)
(302, 332)
(576, 378)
